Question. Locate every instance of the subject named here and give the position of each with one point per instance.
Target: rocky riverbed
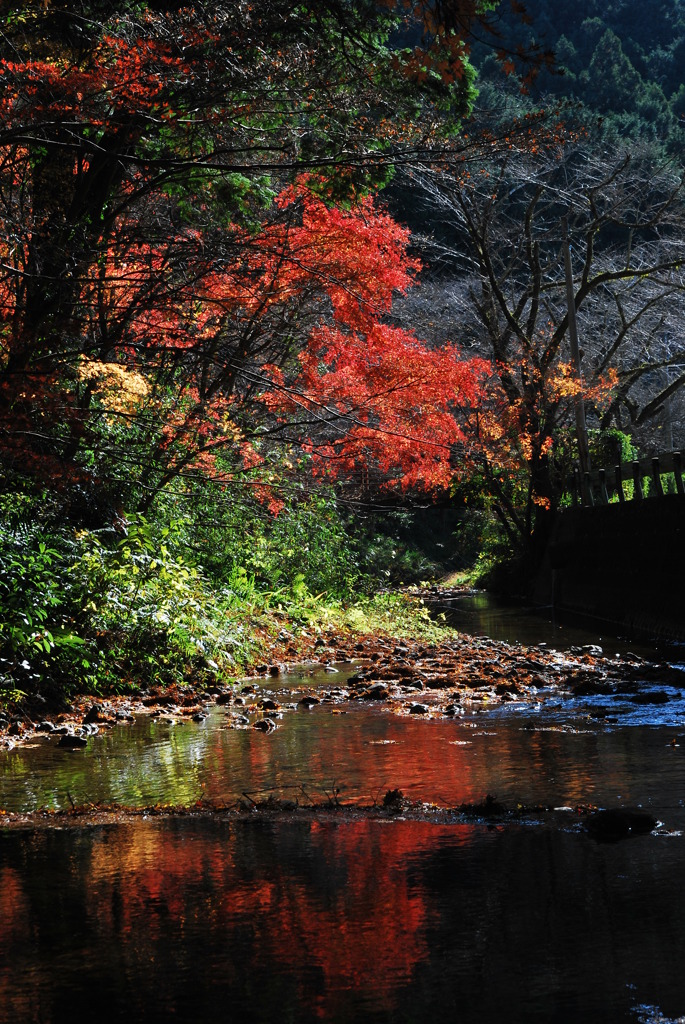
(459, 676)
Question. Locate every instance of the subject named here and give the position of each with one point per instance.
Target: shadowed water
(478, 612)
(365, 921)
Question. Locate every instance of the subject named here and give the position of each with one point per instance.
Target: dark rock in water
(418, 709)
(265, 725)
(70, 742)
(440, 683)
(225, 698)
(586, 649)
(200, 716)
(308, 701)
(238, 720)
(604, 715)
(655, 697)
(45, 727)
(592, 688)
(163, 700)
(267, 704)
(93, 714)
(616, 823)
(395, 801)
(377, 692)
(490, 807)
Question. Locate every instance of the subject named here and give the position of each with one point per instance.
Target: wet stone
(592, 688)
(265, 725)
(655, 697)
(237, 720)
(93, 714)
(267, 704)
(440, 683)
(418, 709)
(506, 688)
(71, 742)
(377, 692)
(452, 710)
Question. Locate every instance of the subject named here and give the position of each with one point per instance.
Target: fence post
(678, 472)
(619, 482)
(656, 477)
(637, 481)
(588, 488)
(604, 494)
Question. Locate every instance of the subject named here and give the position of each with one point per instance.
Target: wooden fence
(652, 477)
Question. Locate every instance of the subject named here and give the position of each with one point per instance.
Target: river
(352, 920)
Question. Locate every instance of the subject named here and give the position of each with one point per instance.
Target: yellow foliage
(120, 390)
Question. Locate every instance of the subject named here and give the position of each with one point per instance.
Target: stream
(354, 920)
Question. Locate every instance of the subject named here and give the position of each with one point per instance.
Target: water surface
(553, 753)
(208, 921)
(360, 921)
(478, 612)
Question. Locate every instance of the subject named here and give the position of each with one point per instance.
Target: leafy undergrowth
(183, 600)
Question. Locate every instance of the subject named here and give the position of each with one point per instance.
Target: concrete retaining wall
(622, 564)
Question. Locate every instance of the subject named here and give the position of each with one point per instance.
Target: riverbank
(427, 671)
(272, 638)
(332, 811)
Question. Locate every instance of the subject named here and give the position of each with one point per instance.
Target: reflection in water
(521, 757)
(364, 921)
(480, 613)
